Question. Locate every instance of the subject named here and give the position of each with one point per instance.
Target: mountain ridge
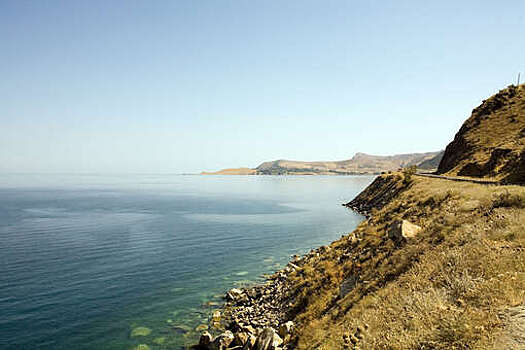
(360, 163)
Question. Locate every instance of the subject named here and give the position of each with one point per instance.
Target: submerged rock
(140, 332)
(159, 340)
(201, 327)
(181, 328)
(142, 347)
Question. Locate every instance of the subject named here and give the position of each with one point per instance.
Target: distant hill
(432, 163)
(231, 171)
(491, 143)
(360, 163)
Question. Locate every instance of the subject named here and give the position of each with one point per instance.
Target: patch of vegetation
(407, 174)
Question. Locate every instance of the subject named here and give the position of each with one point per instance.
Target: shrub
(408, 172)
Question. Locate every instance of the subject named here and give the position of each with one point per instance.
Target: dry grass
(445, 289)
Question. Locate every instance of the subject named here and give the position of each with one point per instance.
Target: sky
(183, 86)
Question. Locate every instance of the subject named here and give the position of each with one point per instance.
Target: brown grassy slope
(448, 288)
(491, 143)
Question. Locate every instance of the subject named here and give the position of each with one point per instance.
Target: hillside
(432, 163)
(360, 163)
(231, 171)
(438, 265)
(491, 143)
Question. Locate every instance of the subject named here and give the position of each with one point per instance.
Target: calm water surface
(85, 259)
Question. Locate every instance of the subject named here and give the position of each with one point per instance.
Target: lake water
(85, 259)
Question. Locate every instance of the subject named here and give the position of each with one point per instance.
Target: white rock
(403, 229)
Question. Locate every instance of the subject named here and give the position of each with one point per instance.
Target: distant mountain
(432, 163)
(491, 143)
(360, 163)
(231, 171)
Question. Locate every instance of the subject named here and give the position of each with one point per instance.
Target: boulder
(234, 294)
(250, 343)
(221, 342)
(403, 229)
(241, 338)
(205, 340)
(285, 331)
(347, 286)
(216, 316)
(249, 329)
(267, 340)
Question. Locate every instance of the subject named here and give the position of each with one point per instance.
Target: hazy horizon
(181, 87)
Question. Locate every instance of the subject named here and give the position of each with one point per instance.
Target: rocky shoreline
(358, 208)
(258, 317)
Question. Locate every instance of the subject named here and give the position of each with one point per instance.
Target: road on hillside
(462, 179)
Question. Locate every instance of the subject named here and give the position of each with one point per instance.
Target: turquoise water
(85, 259)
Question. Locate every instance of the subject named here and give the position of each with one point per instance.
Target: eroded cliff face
(491, 143)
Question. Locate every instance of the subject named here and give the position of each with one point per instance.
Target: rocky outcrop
(377, 194)
(491, 143)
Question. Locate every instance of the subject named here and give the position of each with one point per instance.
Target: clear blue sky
(184, 86)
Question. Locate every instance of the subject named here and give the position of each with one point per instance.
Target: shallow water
(85, 259)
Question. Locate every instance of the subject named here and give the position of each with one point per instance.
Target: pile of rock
(246, 339)
(255, 318)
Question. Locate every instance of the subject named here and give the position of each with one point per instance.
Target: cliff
(491, 143)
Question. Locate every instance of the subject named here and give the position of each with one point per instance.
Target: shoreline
(258, 313)
(262, 312)
(294, 174)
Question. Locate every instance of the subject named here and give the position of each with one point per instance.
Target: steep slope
(432, 163)
(491, 143)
